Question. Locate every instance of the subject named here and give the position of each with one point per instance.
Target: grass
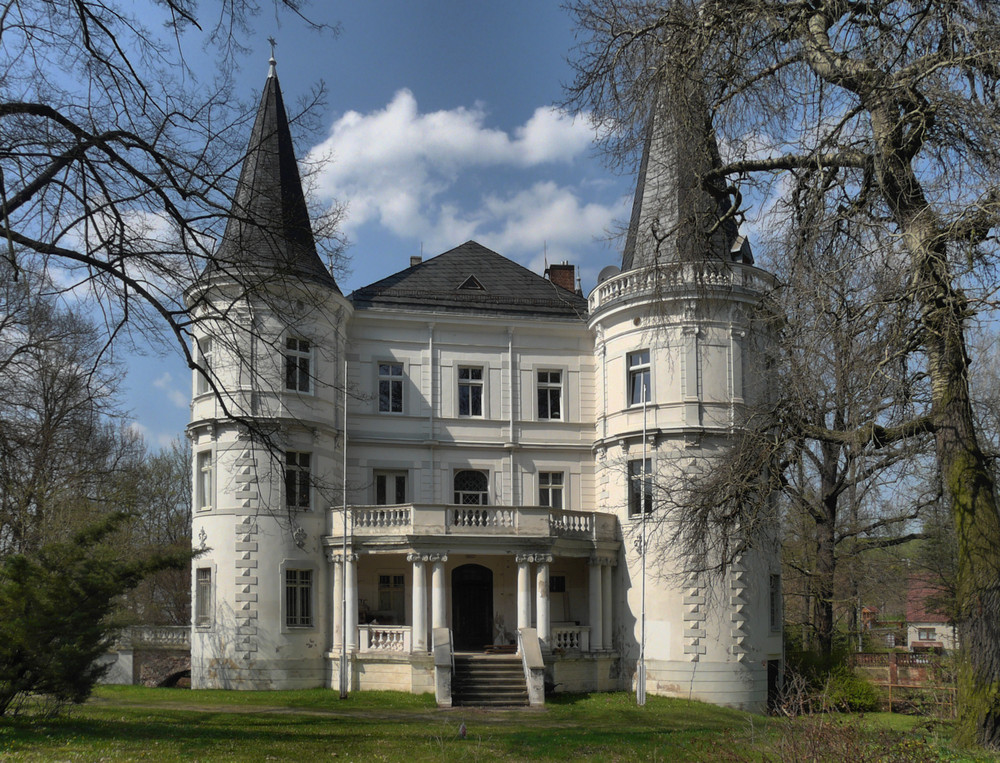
(133, 723)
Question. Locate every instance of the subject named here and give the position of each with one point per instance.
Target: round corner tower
(676, 337)
(266, 430)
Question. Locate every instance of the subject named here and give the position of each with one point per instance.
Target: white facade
(489, 440)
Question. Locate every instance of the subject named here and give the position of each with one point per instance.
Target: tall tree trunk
(965, 471)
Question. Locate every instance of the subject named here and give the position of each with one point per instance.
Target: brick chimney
(563, 275)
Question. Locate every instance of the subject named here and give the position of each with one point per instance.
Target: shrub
(846, 690)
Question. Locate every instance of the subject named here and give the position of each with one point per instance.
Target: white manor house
(475, 484)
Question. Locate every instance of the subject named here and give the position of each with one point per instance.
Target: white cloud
(419, 175)
(165, 382)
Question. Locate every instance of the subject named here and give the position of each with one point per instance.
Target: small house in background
(928, 628)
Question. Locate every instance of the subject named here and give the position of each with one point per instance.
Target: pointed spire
(268, 231)
(675, 214)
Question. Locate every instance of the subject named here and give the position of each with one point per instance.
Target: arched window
(471, 488)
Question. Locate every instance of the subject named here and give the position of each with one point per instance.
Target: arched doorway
(472, 607)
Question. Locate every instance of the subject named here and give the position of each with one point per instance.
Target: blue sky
(439, 127)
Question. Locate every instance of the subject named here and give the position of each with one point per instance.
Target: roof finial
(271, 72)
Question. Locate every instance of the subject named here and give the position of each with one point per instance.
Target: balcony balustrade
(457, 520)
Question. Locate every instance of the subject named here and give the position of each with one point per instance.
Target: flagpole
(343, 570)
(640, 684)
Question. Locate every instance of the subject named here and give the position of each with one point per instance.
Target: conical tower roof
(268, 232)
(676, 214)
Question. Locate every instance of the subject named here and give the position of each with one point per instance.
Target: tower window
(203, 596)
(297, 479)
(640, 491)
(204, 359)
(638, 377)
(203, 481)
(298, 598)
(298, 356)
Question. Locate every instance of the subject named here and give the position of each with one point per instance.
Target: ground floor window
(203, 596)
(298, 598)
(926, 634)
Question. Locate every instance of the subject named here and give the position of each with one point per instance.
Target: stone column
(523, 590)
(543, 621)
(606, 603)
(419, 626)
(438, 617)
(595, 591)
(336, 596)
(351, 627)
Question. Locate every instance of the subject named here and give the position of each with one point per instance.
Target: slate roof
(471, 279)
(675, 215)
(268, 232)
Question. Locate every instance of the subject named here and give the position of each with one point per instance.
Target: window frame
(204, 480)
(471, 384)
(298, 365)
(461, 495)
(635, 497)
(204, 598)
(304, 591)
(927, 634)
(776, 610)
(298, 479)
(397, 476)
(547, 488)
(638, 364)
(392, 591)
(391, 380)
(546, 389)
(205, 349)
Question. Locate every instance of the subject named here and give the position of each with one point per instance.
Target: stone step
(489, 681)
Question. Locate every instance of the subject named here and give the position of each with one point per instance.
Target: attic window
(472, 284)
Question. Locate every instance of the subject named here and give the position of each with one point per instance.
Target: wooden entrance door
(472, 607)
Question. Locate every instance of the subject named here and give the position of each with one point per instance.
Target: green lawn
(132, 723)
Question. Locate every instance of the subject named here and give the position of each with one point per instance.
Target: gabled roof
(471, 279)
(676, 215)
(268, 231)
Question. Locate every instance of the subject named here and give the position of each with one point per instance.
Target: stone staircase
(487, 680)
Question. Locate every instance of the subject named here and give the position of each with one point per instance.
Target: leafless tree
(118, 158)
(884, 114)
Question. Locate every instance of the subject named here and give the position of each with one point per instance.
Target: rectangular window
(204, 358)
(203, 596)
(550, 489)
(640, 491)
(391, 596)
(298, 598)
(775, 593)
(550, 394)
(557, 584)
(390, 387)
(390, 487)
(203, 481)
(470, 391)
(298, 354)
(926, 634)
(638, 377)
(297, 480)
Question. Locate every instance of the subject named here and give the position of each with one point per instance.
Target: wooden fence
(914, 682)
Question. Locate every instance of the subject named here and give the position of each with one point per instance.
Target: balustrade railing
(571, 638)
(377, 517)
(483, 516)
(571, 523)
(384, 638)
(677, 275)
